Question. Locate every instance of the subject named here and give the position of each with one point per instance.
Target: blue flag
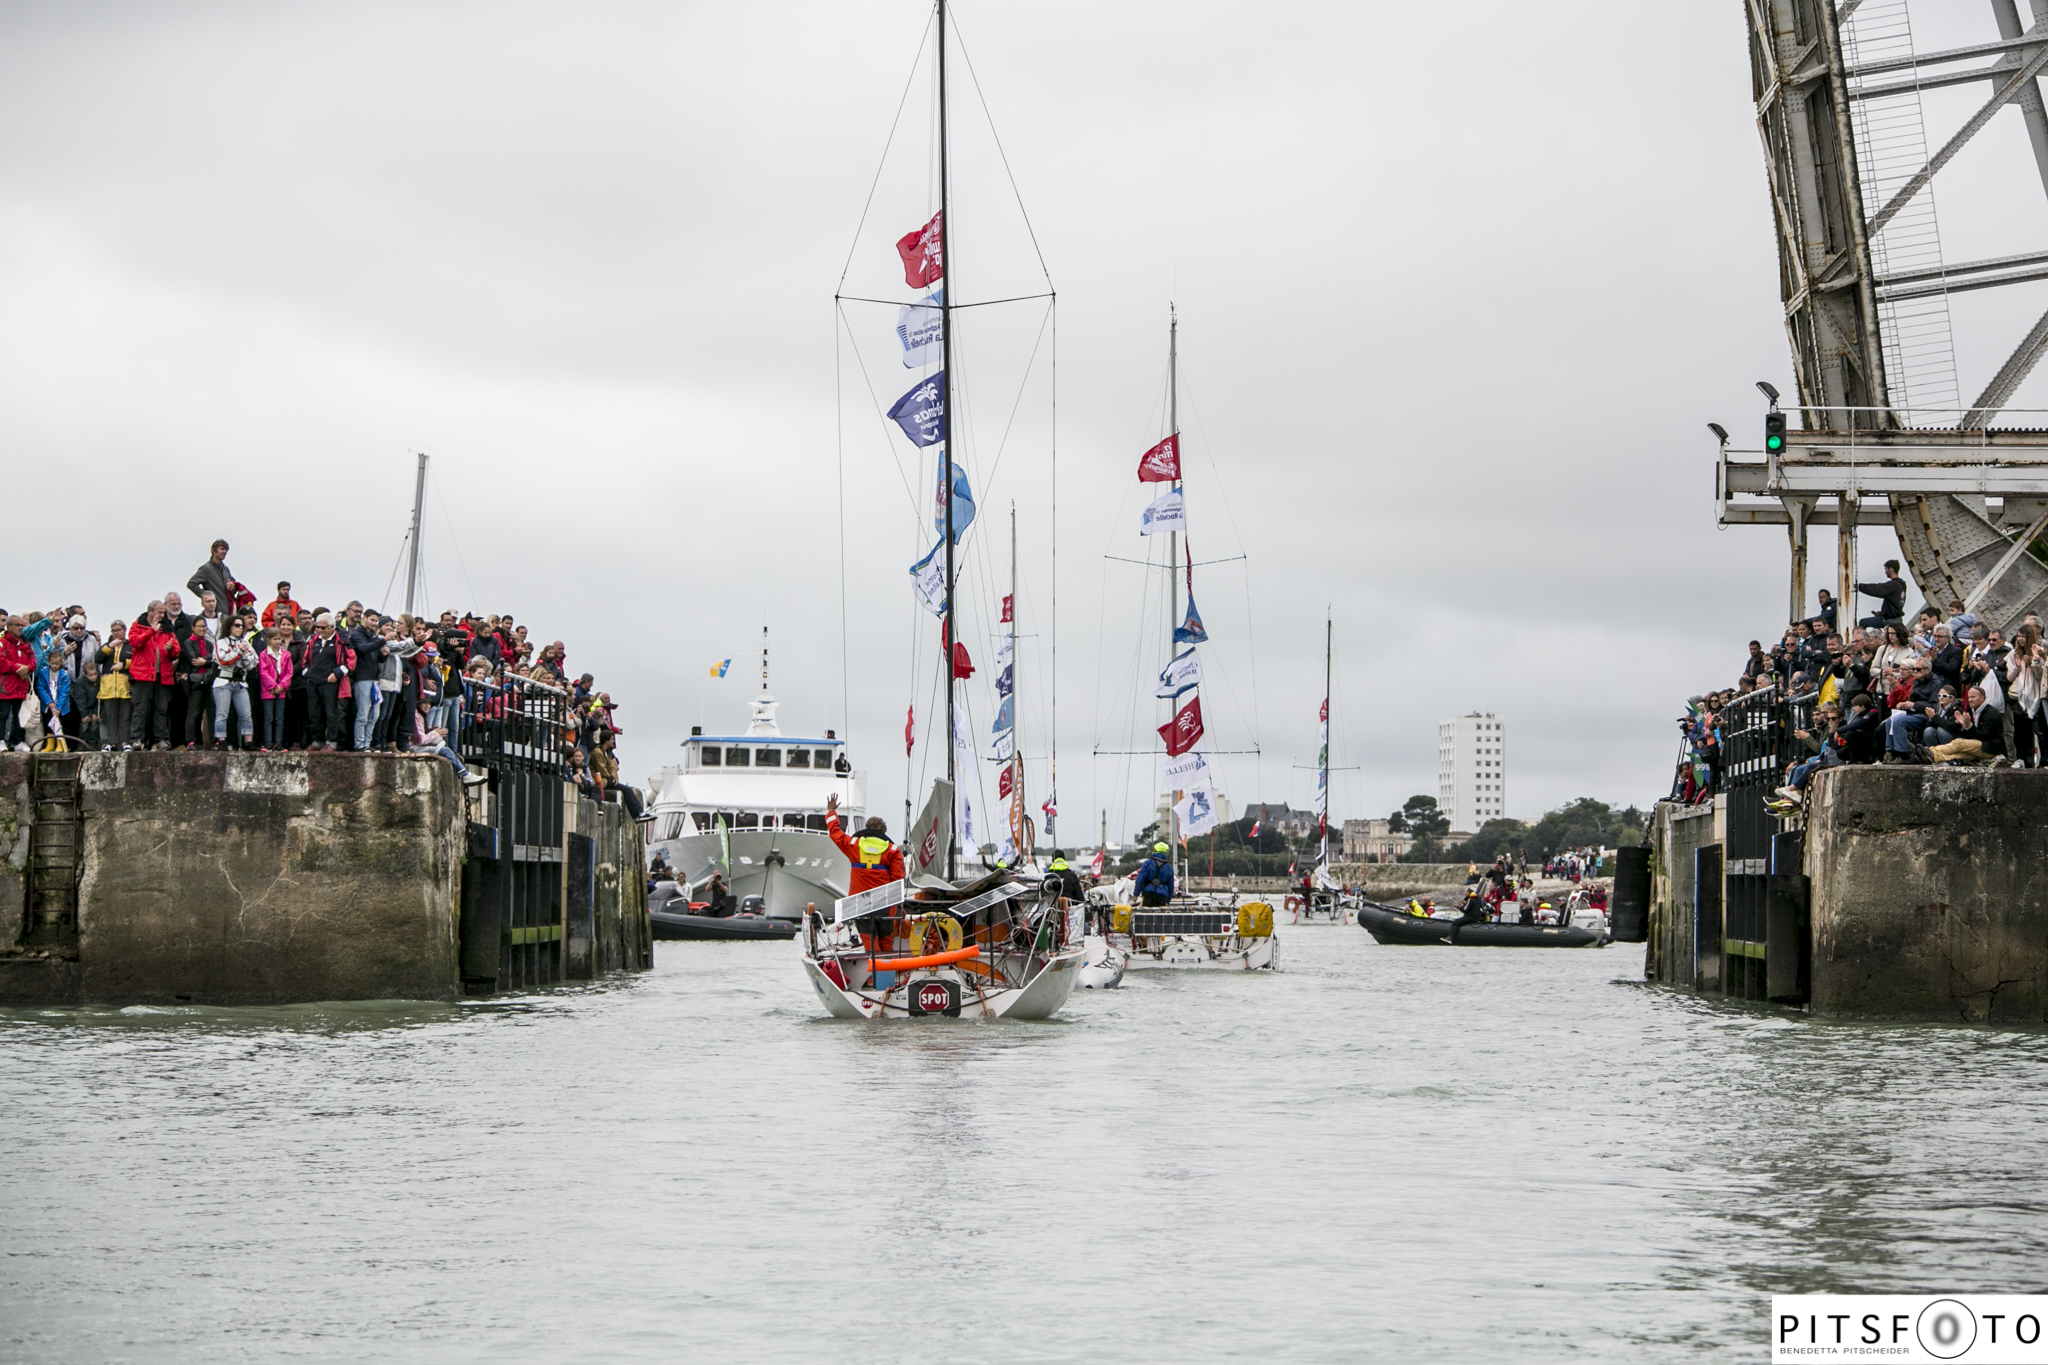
(1006, 680)
(922, 412)
(963, 504)
(1190, 632)
(1005, 716)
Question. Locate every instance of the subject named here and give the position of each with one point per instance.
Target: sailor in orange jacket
(876, 861)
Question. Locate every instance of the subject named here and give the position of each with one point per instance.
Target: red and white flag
(1004, 783)
(909, 730)
(1255, 830)
(924, 254)
(1050, 807)
(1184, 731)
(1161, 464)
(1006, 607)
(1095, 868)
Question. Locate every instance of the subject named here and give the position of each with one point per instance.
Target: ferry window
(735, 758)
(767, 758)
(824, 758)
(708, 755)
(728, 817)
(814, 821)
(747, 820)
(799, 758)
(702, 819)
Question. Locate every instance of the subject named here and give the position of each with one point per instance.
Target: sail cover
(924, 853)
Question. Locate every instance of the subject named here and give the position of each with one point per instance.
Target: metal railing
(515, 723)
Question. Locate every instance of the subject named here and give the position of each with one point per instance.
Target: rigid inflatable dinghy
(1388, 925)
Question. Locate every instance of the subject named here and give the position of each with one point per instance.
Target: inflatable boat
(1388, 925)
(675, 916)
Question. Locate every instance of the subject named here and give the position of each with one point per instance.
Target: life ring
(915, 927)
(1293, 906)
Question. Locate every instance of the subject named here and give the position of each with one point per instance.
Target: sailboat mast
(1328, 637)
(1173, 547)
(953, 776)
(1022, 811)
(419, 500)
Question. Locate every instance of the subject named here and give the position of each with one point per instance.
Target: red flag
(1255, 829)
(910, 730)
(1051, 810)
(1095, 868)
(924, 254)
(1184, 730)
(1006, 607)
(1003, 783)
(963, 667)
(1161, 464)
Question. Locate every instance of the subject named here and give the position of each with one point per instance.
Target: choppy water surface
(1377, 1153)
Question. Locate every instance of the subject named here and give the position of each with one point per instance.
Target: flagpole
(1328, 636)
(1017, 807)
(1173, 554)
(946, 293)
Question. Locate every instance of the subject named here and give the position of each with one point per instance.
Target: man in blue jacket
(1155, 878)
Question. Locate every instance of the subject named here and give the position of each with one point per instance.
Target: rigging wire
(990, 119)
(881, 414)
(884, 160)
(839, 455)
(449, 522)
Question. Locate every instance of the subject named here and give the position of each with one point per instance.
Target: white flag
(1184, 672)
(918, 328)
(970, 783)
(1164, 513)
(1005, 746)
(929, 574)
(1190, 769)
(1006, 650)
(1198, 813)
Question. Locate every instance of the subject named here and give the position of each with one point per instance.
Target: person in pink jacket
(274, 685)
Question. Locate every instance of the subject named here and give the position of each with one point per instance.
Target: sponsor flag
(1095, 867)
(1189, 631)
(1007, 616)
(924, 853)
(1177, 677)
(1005, 716)
(1005, 782)
(718, 669)
(910, 730)
(963, 504)
(922, 411)
(1005, 746)
(1006, 680)
(1186, 770)
(929, 574)
(1184, 730)
(1161, 464)
(1198, 813)
(963, 798)
(1163, 513)
(917, 327)
(924, 253)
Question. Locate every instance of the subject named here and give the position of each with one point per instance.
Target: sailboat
(1191, 930)
(1327, 902)
(929, 945)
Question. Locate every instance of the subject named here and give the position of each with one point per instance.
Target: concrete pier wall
(1920, 894)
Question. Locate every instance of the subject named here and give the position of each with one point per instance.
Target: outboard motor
(753, 905)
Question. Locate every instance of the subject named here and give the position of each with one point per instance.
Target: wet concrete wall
(226, 878)
(1929, 893)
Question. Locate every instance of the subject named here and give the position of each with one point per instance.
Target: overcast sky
(1458, 296)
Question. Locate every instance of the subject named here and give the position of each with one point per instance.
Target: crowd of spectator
(215, 670)
(1943, 688)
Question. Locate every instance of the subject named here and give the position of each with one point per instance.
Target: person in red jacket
(876, 861)
(151, 676)
(17, 668)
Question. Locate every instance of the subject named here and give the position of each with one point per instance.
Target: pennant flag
(1198, 813)
(1184, 730)
(910, 730)
(963, 667)
(1177, 677)
(924, 253)
(1005, 782)
(1006, 607)
(1189, 631)
(929, 574)
(1161, 464)
(1095, 867)
(917, 328)
(718, 669)
(1005, 683)
(963, 504)
(1164, 513)
(922, 412)
(1005, 716)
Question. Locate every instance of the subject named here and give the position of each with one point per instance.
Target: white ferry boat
(752, 806)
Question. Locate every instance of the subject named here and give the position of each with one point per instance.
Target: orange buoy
(906, 964)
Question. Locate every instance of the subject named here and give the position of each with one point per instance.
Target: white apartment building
(1472, 769)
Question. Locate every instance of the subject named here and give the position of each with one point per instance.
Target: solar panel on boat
(1182, 922)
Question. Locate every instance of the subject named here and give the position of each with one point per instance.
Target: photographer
(2026, 680)
(234, 658)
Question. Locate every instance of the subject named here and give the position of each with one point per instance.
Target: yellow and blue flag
(718, 669)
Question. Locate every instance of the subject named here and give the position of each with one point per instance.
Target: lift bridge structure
(1886, 439)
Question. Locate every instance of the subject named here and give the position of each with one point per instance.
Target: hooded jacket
(156, 653)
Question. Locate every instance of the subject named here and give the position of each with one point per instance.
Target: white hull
(1212, 952)
(787, 868)
(1040, 997)
(1102, 964)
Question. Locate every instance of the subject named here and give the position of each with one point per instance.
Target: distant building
(1289, 824)
(1371, 841)
(1472, 769)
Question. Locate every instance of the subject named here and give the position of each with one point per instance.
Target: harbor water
(1383, 1153)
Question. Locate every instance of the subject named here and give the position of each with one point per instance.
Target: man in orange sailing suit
(876, 861)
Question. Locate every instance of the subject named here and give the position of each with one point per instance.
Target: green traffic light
(1774, 432)
(1774, 444)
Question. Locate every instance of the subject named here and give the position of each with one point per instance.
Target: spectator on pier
(368, 642)
(1979, 732)
(281, 605)
(274, 686)
(1896, 649)
(1758, 663)
(1813, 749)
(432, 740)
(325, 663)
(1890, 594)
(116, 697)
(215, 577)
(153, 641)
(195, 671)
(1827, 611)
(1946, 661)
(2026, 685)
(234, 659)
